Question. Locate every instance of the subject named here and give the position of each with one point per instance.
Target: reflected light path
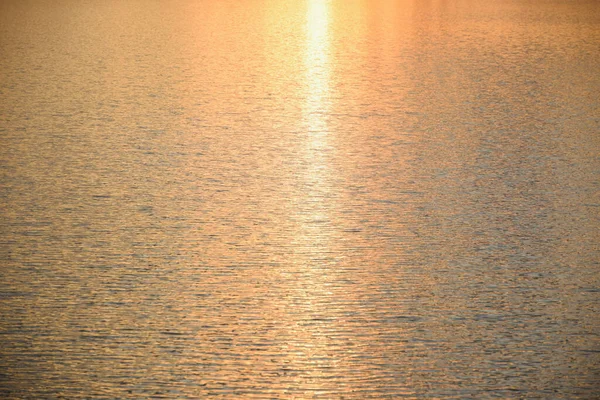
(314, 203)
(316, 58)
(311, 321)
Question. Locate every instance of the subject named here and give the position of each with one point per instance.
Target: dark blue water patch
(406, 318)
(14, 294)
(590, 290)
(100, 266)
(173, 333)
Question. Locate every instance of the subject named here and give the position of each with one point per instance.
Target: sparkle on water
(299, 199)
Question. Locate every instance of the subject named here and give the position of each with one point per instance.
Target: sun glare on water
(317, 63)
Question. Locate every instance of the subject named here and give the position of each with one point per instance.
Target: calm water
(299, 199)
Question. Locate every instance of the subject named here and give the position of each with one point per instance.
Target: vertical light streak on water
(316, 59)
(310, 214)
(311, 253)
(315, 121)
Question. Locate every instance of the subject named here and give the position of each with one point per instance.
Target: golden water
(299, 199)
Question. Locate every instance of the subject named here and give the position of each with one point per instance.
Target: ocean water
(299, 199)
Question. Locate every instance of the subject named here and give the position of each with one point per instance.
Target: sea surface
(295, 199)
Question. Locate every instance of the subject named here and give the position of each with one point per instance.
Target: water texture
(299, 199)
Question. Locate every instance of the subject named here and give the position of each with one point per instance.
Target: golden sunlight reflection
(316, 58)
(316, 109)
(301, 199)
(311, 261)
